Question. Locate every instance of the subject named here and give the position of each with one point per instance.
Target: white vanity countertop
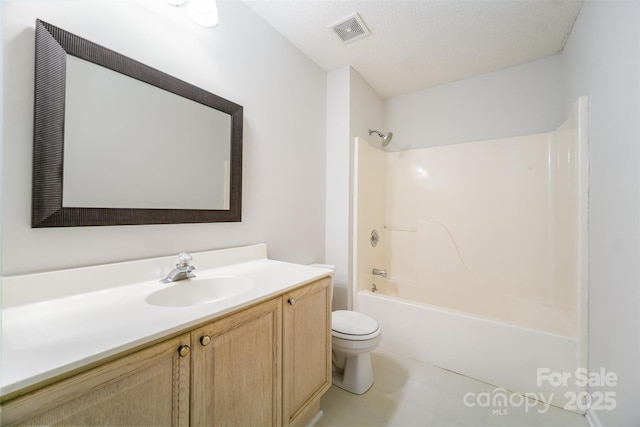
(45, 338)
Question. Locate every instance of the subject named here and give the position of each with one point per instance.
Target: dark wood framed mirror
(117, 142)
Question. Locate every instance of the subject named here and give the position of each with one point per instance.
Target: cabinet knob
(291, 301)
(205, 340)
(183, 350)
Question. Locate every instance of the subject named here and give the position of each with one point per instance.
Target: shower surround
(485, 246)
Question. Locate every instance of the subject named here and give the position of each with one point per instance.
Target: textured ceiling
(416, 44)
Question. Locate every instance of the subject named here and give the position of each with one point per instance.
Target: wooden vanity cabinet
(146, 388)
(266, 365)
(307, 350)
(244, 363)
(236, 371)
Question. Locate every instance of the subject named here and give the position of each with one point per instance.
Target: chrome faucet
(378, 272)
(182, 271)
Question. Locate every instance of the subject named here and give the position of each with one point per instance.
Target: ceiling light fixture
(203, 12)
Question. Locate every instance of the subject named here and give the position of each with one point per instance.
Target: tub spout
(379, 272)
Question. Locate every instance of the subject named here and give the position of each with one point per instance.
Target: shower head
(386, 139)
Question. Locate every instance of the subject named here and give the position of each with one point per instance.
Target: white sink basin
(198, 291)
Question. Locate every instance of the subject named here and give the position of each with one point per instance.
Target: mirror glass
(117, 142)
(174, 155)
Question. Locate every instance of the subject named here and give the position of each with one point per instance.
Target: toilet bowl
(354, 336)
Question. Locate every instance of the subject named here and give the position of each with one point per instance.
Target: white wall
(366, 110)
(520, 100)
(243, 59)
(337, 170)
(1, 137)
(602, 60)
(353, 107)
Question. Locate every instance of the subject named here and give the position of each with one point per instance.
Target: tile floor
(409, 393)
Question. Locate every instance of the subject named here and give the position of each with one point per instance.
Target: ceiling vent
(350, 29)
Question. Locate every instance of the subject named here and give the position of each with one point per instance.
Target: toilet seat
(353, 326)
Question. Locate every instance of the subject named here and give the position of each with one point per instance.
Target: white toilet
(354, 336)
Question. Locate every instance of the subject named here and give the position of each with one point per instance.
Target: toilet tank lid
(353, 323)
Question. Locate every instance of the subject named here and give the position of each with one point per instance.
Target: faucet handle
(184, 259)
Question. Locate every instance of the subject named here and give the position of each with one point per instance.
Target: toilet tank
(340, 290)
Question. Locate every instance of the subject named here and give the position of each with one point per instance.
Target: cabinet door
(147, 388)
(307, 347)
(237, 369)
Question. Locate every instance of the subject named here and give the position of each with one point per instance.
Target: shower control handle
(374, 238)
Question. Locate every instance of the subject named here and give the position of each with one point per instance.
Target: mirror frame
(52, 46)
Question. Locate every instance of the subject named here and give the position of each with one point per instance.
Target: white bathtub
(485, 248)
(498, 353)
